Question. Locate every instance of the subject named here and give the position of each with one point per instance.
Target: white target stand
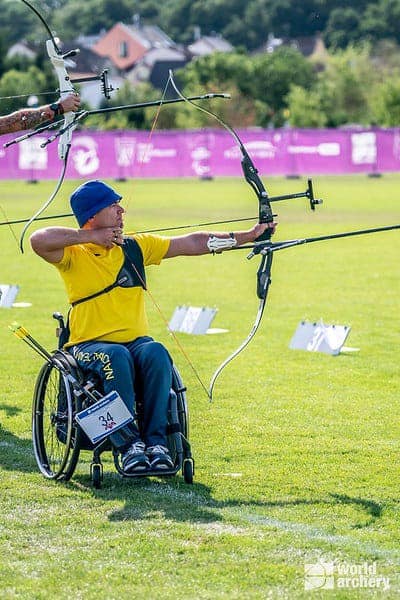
(8, 293)
(319, 337)
(194, 320)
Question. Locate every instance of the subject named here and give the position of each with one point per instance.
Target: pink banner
(205, 153)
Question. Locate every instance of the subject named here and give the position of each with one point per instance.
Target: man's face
(110, 216)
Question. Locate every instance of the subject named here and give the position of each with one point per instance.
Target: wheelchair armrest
(60, 318)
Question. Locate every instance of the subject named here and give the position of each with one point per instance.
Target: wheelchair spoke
(54, 431)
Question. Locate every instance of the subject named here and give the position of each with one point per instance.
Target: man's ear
(88, 224)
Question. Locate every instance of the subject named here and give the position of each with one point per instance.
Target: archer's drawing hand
(71, 102)
(107, 236)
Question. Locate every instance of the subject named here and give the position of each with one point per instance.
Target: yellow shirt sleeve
(153, 247)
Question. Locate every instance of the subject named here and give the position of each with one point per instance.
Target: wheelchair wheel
(180, 391)
(178, 428)
(96, 471)
(188, 470)
(54, 431)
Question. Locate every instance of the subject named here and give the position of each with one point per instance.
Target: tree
(15, 82)
(343, 28)
(91, 16)
(305, 108)
(386, 103)
(381, 20)
(141, 118)
(231, 73)
(272, 77)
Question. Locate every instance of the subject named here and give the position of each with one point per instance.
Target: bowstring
(48, 201)
(52, 92)
(8, 223)
(170, 331)
(145, 287)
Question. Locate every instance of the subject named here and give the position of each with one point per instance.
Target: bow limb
(265, 215)
(65, 140)
(249, 170)
(263, 282)
(65, 88)
(45, 205)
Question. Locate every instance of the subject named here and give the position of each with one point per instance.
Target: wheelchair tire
(180, 391)
(97, 476)
(188, 470)
(55, 434)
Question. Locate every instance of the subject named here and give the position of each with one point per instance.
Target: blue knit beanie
(90, 198)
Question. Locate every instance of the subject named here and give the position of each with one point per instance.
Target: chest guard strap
(131, 274)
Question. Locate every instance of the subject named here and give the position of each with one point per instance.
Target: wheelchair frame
(61, 391)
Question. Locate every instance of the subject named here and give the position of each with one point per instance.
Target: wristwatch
(57, 108)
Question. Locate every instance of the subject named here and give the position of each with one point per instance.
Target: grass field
(297, 458)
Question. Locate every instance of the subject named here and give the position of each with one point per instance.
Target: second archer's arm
(28, 118)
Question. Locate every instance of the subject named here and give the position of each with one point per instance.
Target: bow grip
(265, 216)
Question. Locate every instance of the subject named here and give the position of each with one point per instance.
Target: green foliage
(91, 15)
(305, 108)
(128, 119)
(346, 84)
(274, 74)
(387, 103)
(230, 73)
(344, 93)
(343, 88)
(381, 20)
(15, 82)
(343, 27)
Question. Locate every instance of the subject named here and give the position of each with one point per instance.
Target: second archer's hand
(70, 102)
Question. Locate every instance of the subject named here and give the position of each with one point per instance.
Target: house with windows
(134, 52)
(141, 53)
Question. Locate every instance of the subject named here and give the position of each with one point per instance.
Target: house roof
(311, 46)
(155, 65)
(86, 62)
(209, 44)
(125, 45)
(163, 55)
(152, 36)
(22, 48)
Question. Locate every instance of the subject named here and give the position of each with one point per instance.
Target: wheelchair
(61, 391)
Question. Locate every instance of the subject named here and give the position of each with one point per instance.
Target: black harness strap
(131, 274)
(116, 283)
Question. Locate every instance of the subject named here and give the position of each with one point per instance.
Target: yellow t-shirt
(119, 315)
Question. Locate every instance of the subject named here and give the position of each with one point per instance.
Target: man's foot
(134, 460)
(160, 458)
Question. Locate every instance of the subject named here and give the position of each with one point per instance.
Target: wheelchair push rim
(54, 432)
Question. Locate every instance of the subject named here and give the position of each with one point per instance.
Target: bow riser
(65, 88)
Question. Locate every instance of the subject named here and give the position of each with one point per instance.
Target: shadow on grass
(16, 453)
(372, 508)
(174, 500)
(144, 498)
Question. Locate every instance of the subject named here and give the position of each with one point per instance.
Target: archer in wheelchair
(65, 398)
(105, 338)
